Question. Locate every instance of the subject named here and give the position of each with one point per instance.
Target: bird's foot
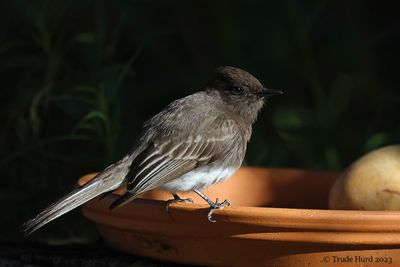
(177, 199)
(214, 206)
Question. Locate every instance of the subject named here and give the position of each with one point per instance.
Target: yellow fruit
(370, 183)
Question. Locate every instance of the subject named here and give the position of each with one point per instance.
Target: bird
(195, 142)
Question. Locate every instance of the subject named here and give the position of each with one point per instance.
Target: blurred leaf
(375, 141)
(87, 121)
(34, 116)
(332, 158)
(39, 144)
(287, 118)
(86, 38)
(341, 91)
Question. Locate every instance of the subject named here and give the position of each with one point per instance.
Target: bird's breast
(200, 178)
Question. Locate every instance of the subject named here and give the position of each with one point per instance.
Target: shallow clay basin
(278, 217)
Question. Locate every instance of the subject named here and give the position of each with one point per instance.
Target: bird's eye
(237, 90)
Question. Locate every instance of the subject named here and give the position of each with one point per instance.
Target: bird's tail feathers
(122, 200)
(105, 181)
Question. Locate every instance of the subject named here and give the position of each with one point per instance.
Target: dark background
(78, 79)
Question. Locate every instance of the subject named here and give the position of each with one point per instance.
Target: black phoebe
(195, 142)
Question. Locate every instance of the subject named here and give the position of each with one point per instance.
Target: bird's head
(242, 92)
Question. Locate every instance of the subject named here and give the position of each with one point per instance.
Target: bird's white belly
(199, 178)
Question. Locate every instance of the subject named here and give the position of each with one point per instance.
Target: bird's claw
(214, 206)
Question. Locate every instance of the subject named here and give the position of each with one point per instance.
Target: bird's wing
(163, 161)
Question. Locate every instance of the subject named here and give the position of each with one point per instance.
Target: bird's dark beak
(270, 92)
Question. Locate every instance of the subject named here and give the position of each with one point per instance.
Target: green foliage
(80, 77)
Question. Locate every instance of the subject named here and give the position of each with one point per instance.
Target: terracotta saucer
(278, 217)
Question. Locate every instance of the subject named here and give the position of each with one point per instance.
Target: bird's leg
(213, 205)
(176, 200)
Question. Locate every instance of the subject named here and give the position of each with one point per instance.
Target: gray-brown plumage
(195, 142)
